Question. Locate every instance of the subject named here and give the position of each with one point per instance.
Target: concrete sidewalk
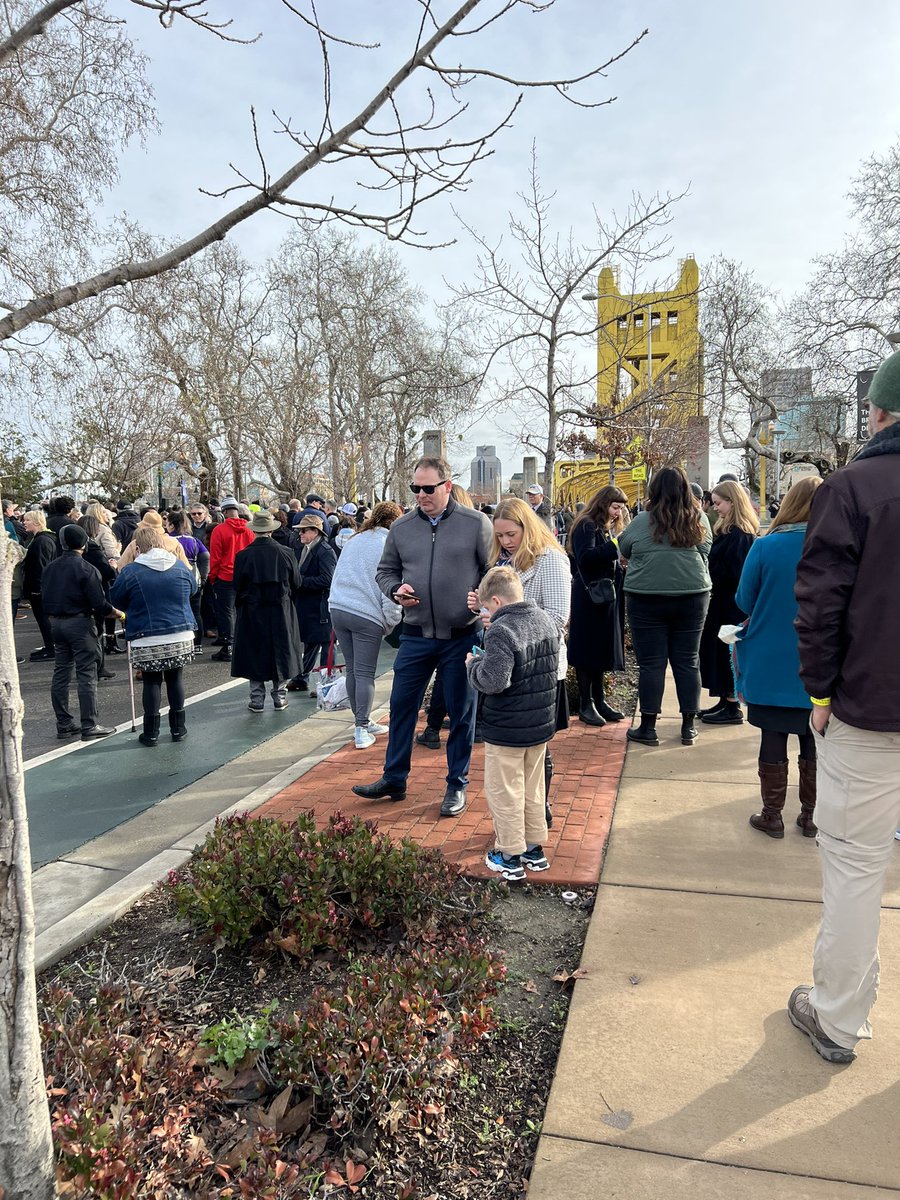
(680, 1075)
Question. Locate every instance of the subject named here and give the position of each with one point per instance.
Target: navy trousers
(416, 661)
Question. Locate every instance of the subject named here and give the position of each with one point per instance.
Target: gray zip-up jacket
(443, 562)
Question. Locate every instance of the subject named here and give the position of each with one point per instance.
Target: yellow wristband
(821, 703)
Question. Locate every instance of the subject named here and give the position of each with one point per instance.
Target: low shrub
(141, 1108)
(307, 889)
(386, 1048)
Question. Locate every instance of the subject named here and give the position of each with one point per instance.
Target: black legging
(152, 681)
(43, 622)
(773, 746)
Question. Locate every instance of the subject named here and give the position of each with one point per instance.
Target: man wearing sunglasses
(433, 556)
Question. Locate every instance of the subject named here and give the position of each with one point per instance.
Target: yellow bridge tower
(649, 389)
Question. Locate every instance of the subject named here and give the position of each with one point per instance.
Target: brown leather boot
(807, 796)
(773, 785)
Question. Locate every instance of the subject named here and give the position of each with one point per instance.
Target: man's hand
(821, 715)
(473, 603)
(405, 596)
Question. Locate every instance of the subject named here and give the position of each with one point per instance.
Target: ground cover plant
(304, 1013)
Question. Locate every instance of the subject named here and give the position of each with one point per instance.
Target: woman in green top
(667, 584)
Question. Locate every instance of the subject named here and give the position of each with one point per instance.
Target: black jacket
(517, 676)
(41, 550)
(57, 521)
(124, 526)
(267, 635)
(848, 581)
(312, 597)
(726, 561)
(596, 632)
(72, 587)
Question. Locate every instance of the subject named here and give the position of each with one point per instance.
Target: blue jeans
(417, 660)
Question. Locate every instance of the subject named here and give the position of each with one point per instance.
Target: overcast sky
(761, 111)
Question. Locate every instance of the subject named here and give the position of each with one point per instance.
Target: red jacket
(225, 541)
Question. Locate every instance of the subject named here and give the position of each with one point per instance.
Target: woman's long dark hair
(674, 512)
(598, 509)
(178, 520)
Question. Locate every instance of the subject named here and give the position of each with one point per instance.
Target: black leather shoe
(98, 731)
(106, 675)
(382, 790)
(224, 655)
(430, 738)
(62, 734)
(590, 716)
(609, 714)
(688, 729)
(41, 656)
(729, 715)
(454, 802)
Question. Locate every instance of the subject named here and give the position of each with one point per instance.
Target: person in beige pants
(848, 588)
(516, 673)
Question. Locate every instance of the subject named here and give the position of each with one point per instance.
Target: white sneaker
(362, 739)
(372, 727)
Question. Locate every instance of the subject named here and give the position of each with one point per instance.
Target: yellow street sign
(638, 474)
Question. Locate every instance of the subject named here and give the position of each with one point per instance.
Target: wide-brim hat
(263, 522)
(311, 522)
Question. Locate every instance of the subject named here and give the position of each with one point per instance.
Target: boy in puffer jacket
(516, 673)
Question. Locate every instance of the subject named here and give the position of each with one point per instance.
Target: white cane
(131, 689)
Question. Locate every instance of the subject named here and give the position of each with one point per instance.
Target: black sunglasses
(428, 488)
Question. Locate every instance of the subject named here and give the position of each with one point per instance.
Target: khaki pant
(857, 812)
(514, 784)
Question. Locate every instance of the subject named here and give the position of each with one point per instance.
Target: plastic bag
(331, 692)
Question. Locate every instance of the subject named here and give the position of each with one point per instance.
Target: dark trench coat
(312, 598)
(595, 631)
(266, 633)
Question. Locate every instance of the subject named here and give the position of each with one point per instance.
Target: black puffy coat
(312, 596)
(595, 631)
(266, 634)
(517, 676)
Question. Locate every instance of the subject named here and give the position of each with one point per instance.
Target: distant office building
(434, 444)
(485, 485)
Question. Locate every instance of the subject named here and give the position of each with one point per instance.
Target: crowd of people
(785, 631)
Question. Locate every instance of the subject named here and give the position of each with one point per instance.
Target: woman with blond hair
(525, 543)
(767, 662)
(155, 591)
(596, 635)
(361, 615)
(734, 533)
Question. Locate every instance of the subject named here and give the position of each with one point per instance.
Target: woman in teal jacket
(767, 662)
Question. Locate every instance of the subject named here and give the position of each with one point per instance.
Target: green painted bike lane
(98, 786)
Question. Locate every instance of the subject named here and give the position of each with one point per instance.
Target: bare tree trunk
(552, 422)
(26, 1149)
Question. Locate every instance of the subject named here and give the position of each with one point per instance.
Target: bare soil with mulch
(485, 1143)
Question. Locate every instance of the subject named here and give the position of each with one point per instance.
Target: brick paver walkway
(588, 764)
